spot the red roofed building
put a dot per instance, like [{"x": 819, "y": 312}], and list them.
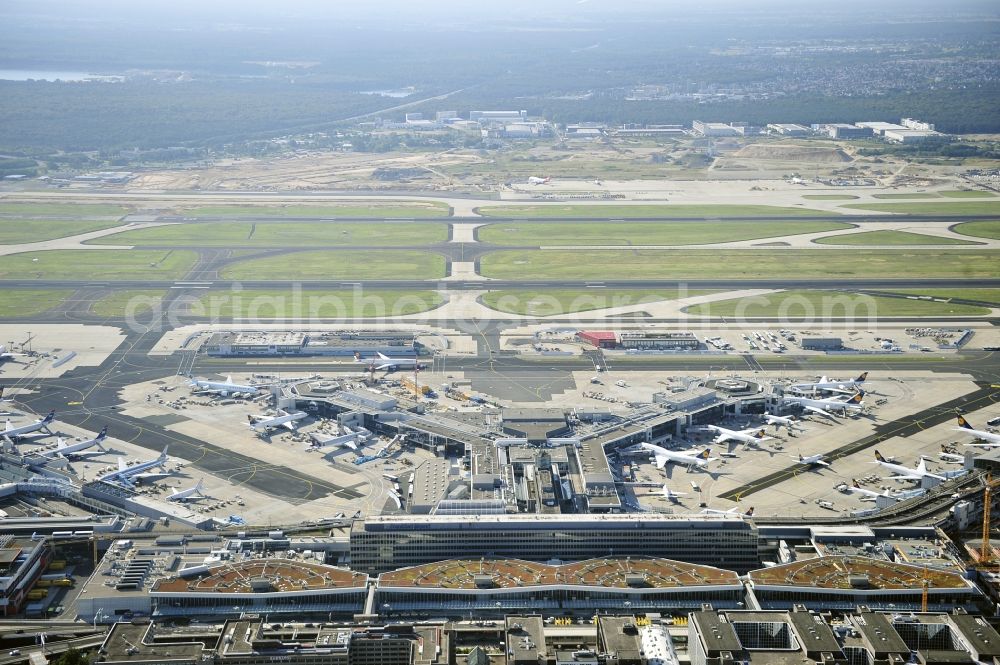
[{"x": 602, "y": 339}]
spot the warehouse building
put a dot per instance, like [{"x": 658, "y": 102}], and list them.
[
  {"x": 665, "y": 341},
  {"x": 330, "y": 343},
  {"x": 602, "y": 339},
  {"x": 822, "y": 343}
]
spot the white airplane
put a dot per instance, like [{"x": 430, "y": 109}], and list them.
[
  {"x": 951, "y": 458},
  {"x": 346, "y": 440},
  {"x": 732, "y": 511},
  {"x": 989, "y": 439},
  {"x": 780, "y": 421},
  {"x": 813, "y": 460},
  {"x": 11, "y": 434},
  {"x": 749, "y": 436},
  {"x": 872, "y": 495},
  {"x": 223, "y": 388},
  {"x": 535, "y": 180},
  {"x": 8, "y": 355},
  {"x": 825, "y": 406},
  {"x": 265, "y": 424},
  {"x": 77, "y": 450},
  {"x": 690, "y": 458},
  {"x": 389, "y": 364},
  {"x": 137, "y": 472},
  {"x": 832, "y": 385},
  {"x": 184, "y": 495},
  {"x": 673, "y": 497},
  {"x": 905, "y": 473}
]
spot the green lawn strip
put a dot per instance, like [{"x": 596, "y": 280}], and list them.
[
  {"x": 967, "y": 194},
  {"x": 118, "y": 304},
  {"x": 890, "y": 238},
  {"x": 981, "y": 295},
  {"x": 281, "y": 234},
  {"x": 550, "y": 302},
  {"x": 914, "y": 195},
  {"x": 299, "y": 303},
  {"x": 61, "y": 210},
  {"x": 14, "y": 231},
  {"x": 830, "y": 304},
  {"x": 739, "y": 264},
  {"x": 375, "y": 209},
  {"x": 942, "y": 208},
  {"x": 645, "y": 233},
  {"x": 625, "y": 211},
  {"x": 112, "y": 264},
  {"x": 353, "y": 265},
  {"x": 989, "y": 228},
  {"x": 829, "y": 197},
  {"x": 17, "y": 303}
]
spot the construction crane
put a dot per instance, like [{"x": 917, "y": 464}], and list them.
[
  {"x": 985, "y": 551},
  {"x": 924, "y": 586}
]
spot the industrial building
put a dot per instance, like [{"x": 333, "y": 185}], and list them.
[
  {"x": 641, "y": 340},
  {"x": 22, "y": 561},
  {"x": 846, "y": 132},
  {"x": 822, "y": 343},
  {"x": 716, "y": 129},
  {"x": 329, "y": 343},
  {"x": 785, "y": 129}
]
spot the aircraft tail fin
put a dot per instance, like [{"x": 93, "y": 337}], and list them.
[
  {"x": 879, "y": 457},
  {"x": 49, "y": 417},
  {"x": 855, "y": 484},
  {"x": 963, "y": 423},
  {"x": 60, "y": 443},
  {"x": 749, "y": 512},
  {"x": 121, "y": 464},
  {"x": 857, "y": 397},
  {"x": 705, "y": 454},
  {"x": 759, "y": 435},
  {"x": 862, "y": 378}
]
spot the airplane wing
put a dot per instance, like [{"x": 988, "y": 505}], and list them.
[
  {"x": 901, "y": 476},
  {"x": 820, "y": 411},
  {"x": 722, "y": 438},
  {"x": 289, "y": 425},
  {"x": 385, "y": 366},
  {"x": 382, "y": 355},
  {"x": 661, "y": 461},
  {"x": 121, "y": 464},
  {"x": 982, "y": 445},
  {"x": 820, "y": 462}
]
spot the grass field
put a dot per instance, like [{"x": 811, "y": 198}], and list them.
[
  {"x": 281, "y": 234},
  {"x": 984, "y": 229},
  {"x": 117, "y": 304},
  {"x": 941, "y": 208},
  {"x": 602, "y": 211},
  {"x": 829, "y": 197},
  {"x": 28, "y": 302},
  {"x": 831, "y": 264},
  {"x": 830, "y": 304},
  {"x": 360, "y": 265},
  {"x": 374, "y": 209},
  {"x": 638, "y": 233},
  {"x": 982, "y": 295},
  {"x": 967, "y": 194},
  {"x": 914, "y": 195},
  {"x": 302, "y": 304},
  {"x": 570, "y": 301},
  {"x": 890, "y": 238},
  {"x": 86, "y": 264},
  {"x": 15, "y": 231},
  {"x": 61, "y": 210}
]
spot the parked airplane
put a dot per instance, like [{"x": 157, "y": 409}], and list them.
[
  {"x": 905, "y": 473},
  {"x": 748, "y": 436},
  {"x": 779, "y": 422},
  {"x": 223, "y": 388},
  {"x": 989, "y": 439},
  {"x": 79, "y": 450},
  {"x": 824, "y": 406},
  {"x": 732, "y": 511},
  {"x": 265, "y": 424},
  {"x": 872, "y": 495},
  {"x": 348, "y": 439},
  {"x": 673, "y": 497},
  {"x": 8, "y": 355},
  {"x": 535, "y": 180},
  {"x": 137, "y": 472},
  {"x": 832, "y": 385},
  {"x": 184, "y": 495},
  {"x": 12, "y": 434},
  {"x": 952, "y": 458},
  {"x": 690, "y": 458},
  {"x": 389, "y": 364},
  {"x": 813, "y": 460}
]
